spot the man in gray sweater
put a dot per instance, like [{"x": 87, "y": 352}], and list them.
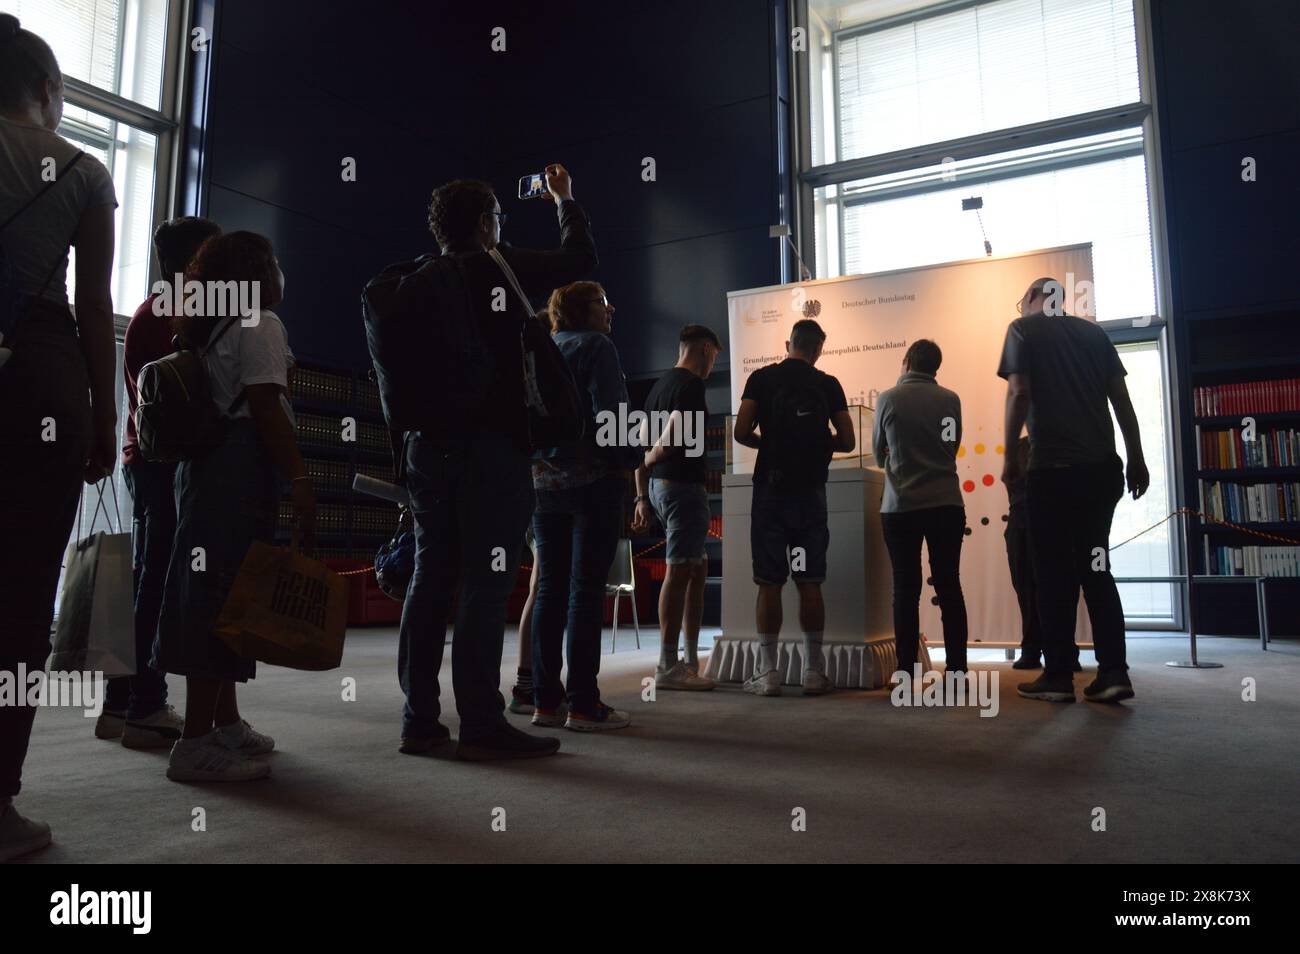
[{"x": 915, "y": 438}]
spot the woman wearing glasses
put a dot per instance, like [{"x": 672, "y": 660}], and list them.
[{"x": 578, "y": 520}]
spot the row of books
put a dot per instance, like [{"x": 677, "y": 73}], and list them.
[
  {"x": 331, "y": 519},
  {"x": 1250, "y": 397},
  {"x": 715, "y": 437},
  {"x": 1252, "y": 561},
  {"x": 329, "y": 474},
  {"x": 374, "y": 521},
  {"x": 328, "y": 431},
  {"x": 322, "y": 385},
  {"x": 713, "y": 481},
  {"x": 1226, "y": 449},
  {"x": 1251, "y": 503}
]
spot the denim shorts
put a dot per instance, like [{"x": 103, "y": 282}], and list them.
[
  {"x": 682, "y": 507},
  {"x": 782, "y": 520}
]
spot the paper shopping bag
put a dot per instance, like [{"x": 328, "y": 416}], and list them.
[
  {"x": 96, "y": 626},
  {"x": 286, "y": 610}
]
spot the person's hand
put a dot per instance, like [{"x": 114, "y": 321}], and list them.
[
  {"x": 1139, "y": 479},
  {"x": 642, "y": 516},
  {"x": 1011, "y": 472},
  {"x": 304, "y": 513},
  {"x": 558, "y": 183},
  {"x": 103, "y": 449}
]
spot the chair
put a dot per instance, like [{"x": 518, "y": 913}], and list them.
[{"x": 622, "y": 579}]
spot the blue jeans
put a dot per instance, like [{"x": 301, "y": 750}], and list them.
[
  {"x": 472, "y": 500},
  {"x": 153, "y": 525},
  {"x": 576, "y": 530}
]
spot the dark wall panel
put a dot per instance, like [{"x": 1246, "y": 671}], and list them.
[{"x": 414, "y": 92}]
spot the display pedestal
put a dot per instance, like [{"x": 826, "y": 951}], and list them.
[
  {"x": 848, "y": 665},
  {"x": 858, "y": 639}
]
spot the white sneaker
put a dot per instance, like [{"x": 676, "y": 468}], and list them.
[
  {"x": 815, "y": 683},
  {"x": 605, "y": 717},
  {"x": 679, "y": 677},
  {"x": 158, "y": 731},
  {"x": 550, "y": 718},
  {"x": 211, "y": 759},
  {"x": 764, "y": 683},
  {"x": 242, "y": 737},
  {"x": 20, "y": 836},
  {"x": 110, "y": 725}
]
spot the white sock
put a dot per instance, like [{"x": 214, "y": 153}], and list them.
[
  {"x": 692, "y": 654},
  {"x": 812, "y": 652},
  {"x": 768, "y": 651},
  {"x": 667, "y": 657}
]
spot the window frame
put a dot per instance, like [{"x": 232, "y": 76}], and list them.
[{"x": 163, "y": 123}]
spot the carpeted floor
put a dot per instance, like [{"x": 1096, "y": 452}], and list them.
[{"x": 1186, "y": 772}]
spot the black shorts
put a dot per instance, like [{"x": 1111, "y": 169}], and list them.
[{"x": 788, "y": 534}]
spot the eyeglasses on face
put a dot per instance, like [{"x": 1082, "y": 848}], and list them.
[{"x": 500, "y": 215}]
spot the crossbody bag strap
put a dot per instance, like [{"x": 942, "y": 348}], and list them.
[
  {"x": 62, "y": 260},
  {"x": 212, "y": 343},
  {"x": 514, "y": 282}
]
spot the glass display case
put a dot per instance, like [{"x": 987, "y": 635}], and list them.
[{"x": 741, "y": 459}]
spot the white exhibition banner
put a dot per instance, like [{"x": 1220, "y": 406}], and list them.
[{"x": 870, "y": 320}]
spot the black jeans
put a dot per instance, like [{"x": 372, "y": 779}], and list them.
[
  {"x": 1070, "y": 511},
  {"x": 942, "y": 529},
  {"x": 472, "y": 501},
  {"x": 576, "y": 531},
  {"x": 44, "y": 429},
  {"x": 1022, "y": 580},
  {"x": 153, "y": 525}
]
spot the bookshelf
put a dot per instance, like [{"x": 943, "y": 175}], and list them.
[
  {"x": 1247, "y": 447},
  {"x": 349, "y": 526}
]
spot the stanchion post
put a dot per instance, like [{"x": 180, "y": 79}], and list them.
[{"x": 1192, "y": 662}]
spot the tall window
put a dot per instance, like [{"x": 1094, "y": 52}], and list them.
[
  {"x": 1035, "y": 106},
  {"x": 1039, "y": 108}
]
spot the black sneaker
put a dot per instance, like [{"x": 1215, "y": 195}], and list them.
[
  {"x": 1027, "y": 661},
  {"x": 1109, "y": 687},
  {"x": 504, "y": 742},
  {"x": 1048, "y": 689},
  {"x": 424, "y": 744}
]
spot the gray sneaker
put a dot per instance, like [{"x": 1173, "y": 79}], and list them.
[
  {"x": 18, "y": 835},
  {"x": 764, "y": 683},
  {"x": 211, "y": 759},
  {"x": 816, "y": 683},
  {"x": 158, "y": 731},
  {"x": 242, "y": 737},
  {"x": 680, "y": 677}
]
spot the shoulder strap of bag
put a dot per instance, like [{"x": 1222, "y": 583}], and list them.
[
  {"x": 212, "y": 343},
  {"x": 58, "y": 177},
  {"x": 514, "y": 282},
  {"x": 64, "y": 258}
]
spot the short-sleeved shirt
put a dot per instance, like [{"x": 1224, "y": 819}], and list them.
[
  {"x": 36, "y": 242},
  {"x": 1069, "y": 362},
  {"x": 246, "y": 355},
  {"x": 762, "y": 387},
  {"x": 681, "y": 390}
]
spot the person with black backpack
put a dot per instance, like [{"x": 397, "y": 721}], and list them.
[
  {"x": 58, "y": 409},
  {"x": 228, "y": 490},
  {"x": 468, "y": 374},
  {"x": 794, "y": 408},
  {"x": 915, "y": 439}
]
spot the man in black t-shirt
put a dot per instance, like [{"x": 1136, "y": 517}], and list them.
[
  {"x": 793, "y": 406},
  {"x": 671, "y": 485},
  {"x": 1061, "y": 371}
]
